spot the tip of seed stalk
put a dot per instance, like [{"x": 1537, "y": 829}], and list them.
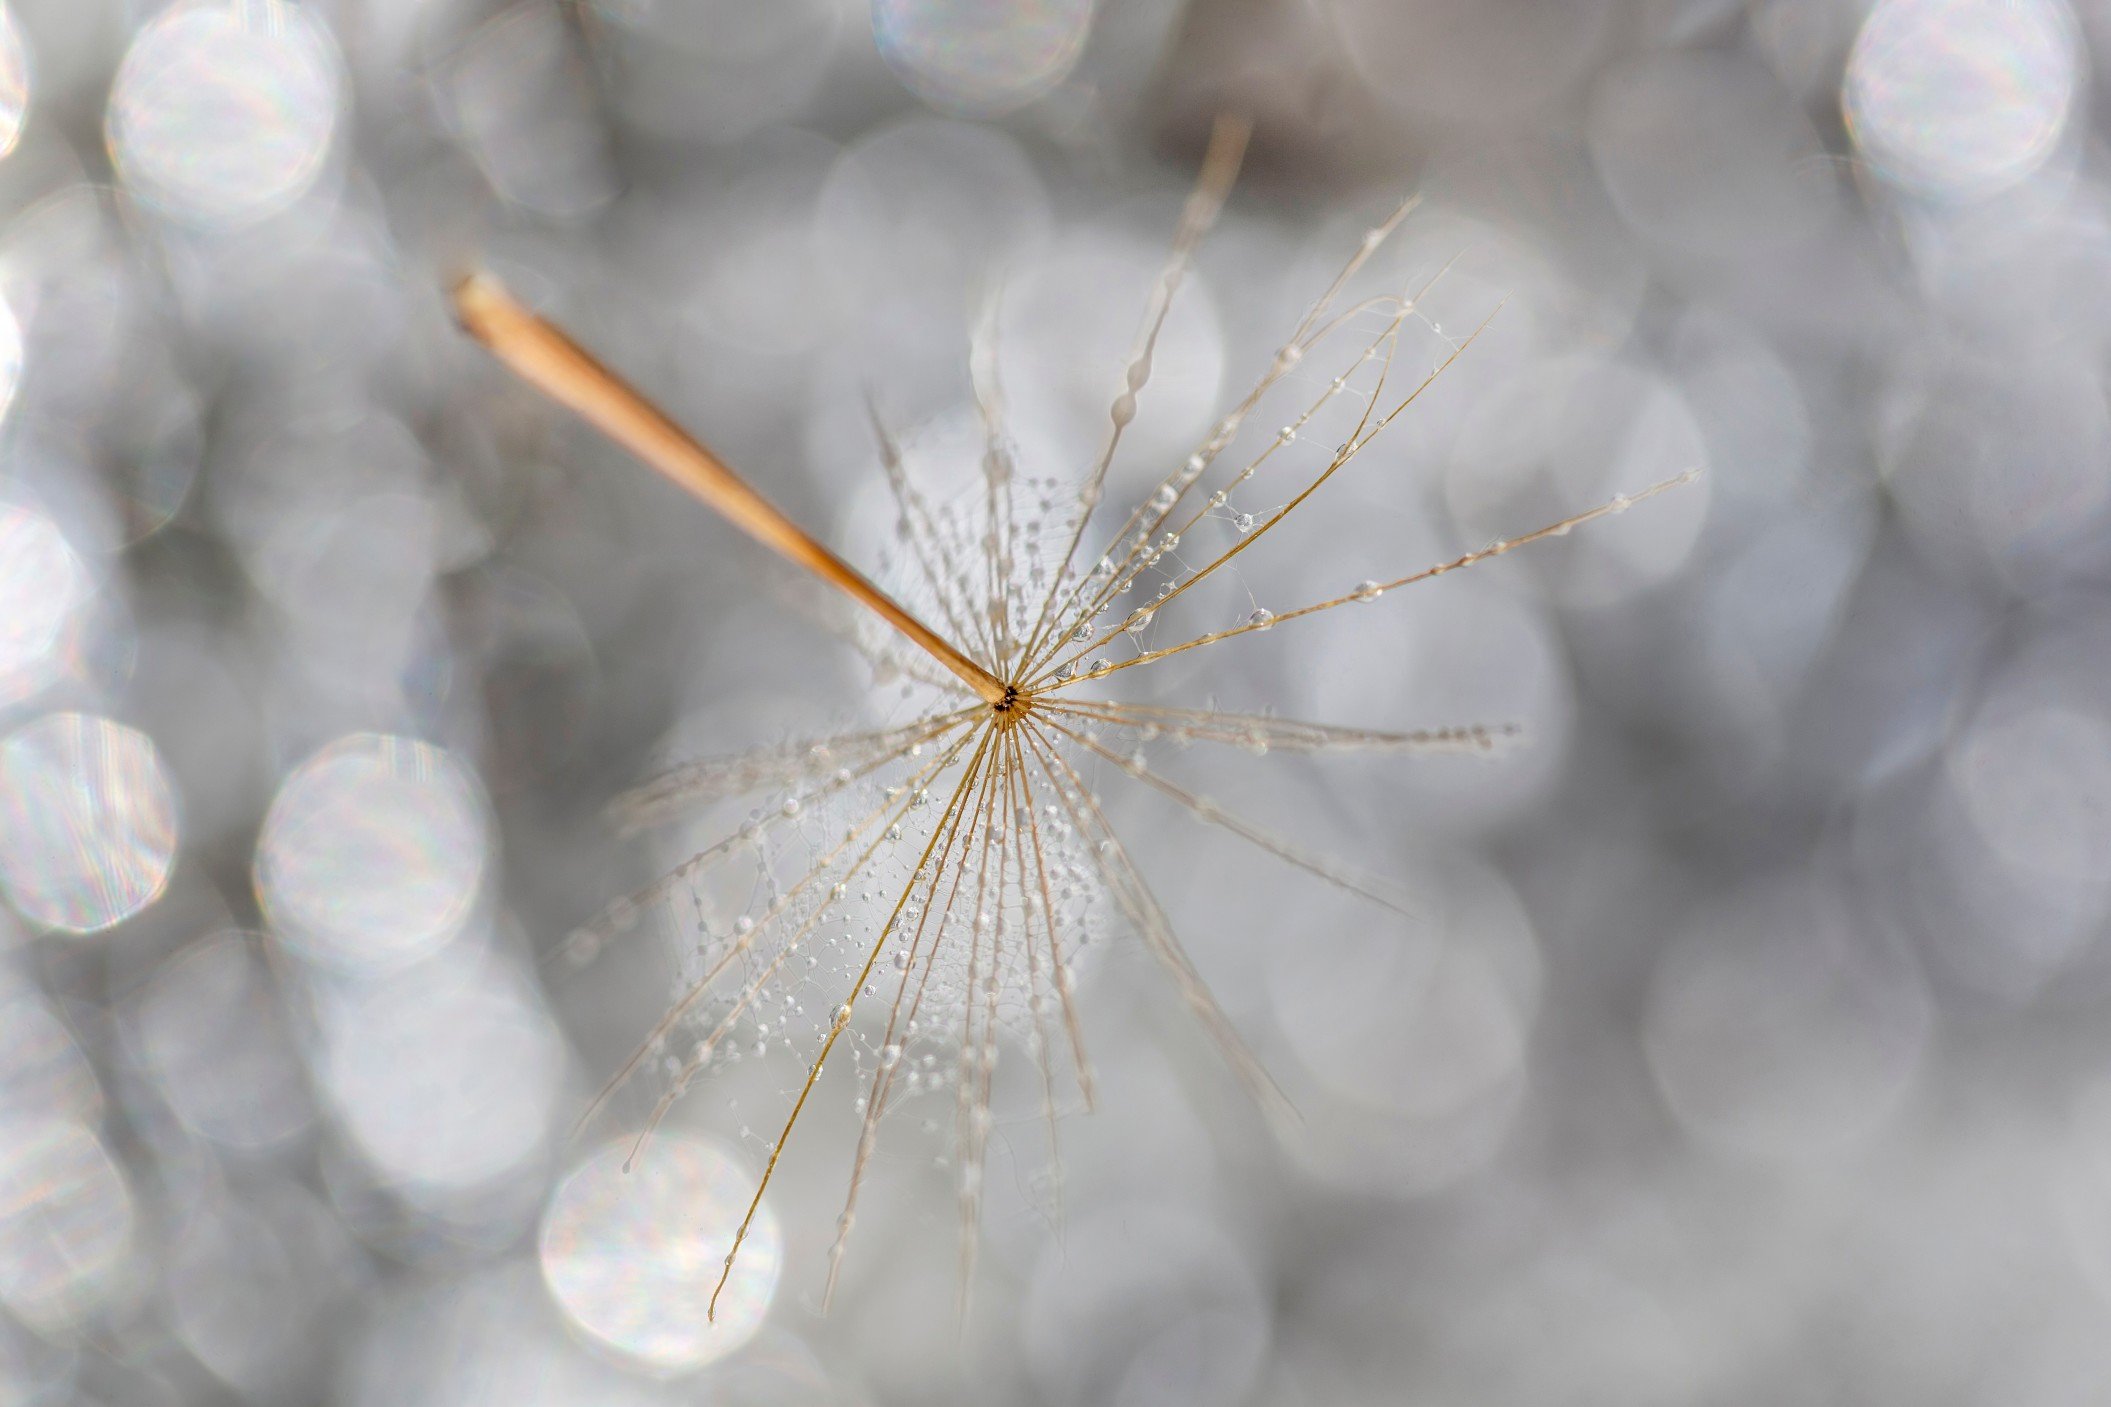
[{"x": 476, "y": 296}]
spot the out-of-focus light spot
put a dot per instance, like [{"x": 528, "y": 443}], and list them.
[
  {"x": 523, "y": 99},
  {"x": 1995, "y": 464},
  {"x": 631, "y": 1258},
  {"x": 210, "y": 1031},
  {"x": 14, "y": 82},
  {"x": 252, "y": 1279},
  {"x": 1962, "y": 97},
  {"x": 87, "y": 822},
  {"x": 10, "y": 356},
  {"x": 1417, "y": 1031},
  {"x": 1575, "y": 434},
  {"x": 34, "y": 1371},
  {"x": 917, "y": 219},
  {"x": 43, "y": 1074},
  {"x": 1472, "y": 61},
  {"x": 446, "y": 1080},
  {"x": 42, "y": 584},
  {"x": 1168, "y": 1304},
  {"x": 2036, "y": 783},
  {"x": 65, "y": 1222},
  {"x": 971, "y": 57},
  {"x": 373, "y": 852},
  {"x": 716, "y": 71},
  {"x": 1068, "y": 323},
  {"x": 1418, "y": 1018},
  {"x": 222, "y": 115},
  {"x": 1482, "y": 655},
  {"x": 1705, "y": 152},
  {"x": 1779, "y": 1027},
  {"x": 491, "y": 1338}
]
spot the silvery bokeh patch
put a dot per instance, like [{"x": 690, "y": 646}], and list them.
[{"x": 1745, "y": 1038}]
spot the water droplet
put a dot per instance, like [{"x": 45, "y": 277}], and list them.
[
  {"x": 1163, "y": 500},
  {"x": 1287, "y": 433},
  {"x": 1137, "y": 620},
  {"x": 1367, "y": 591},
  {"x": 1244, "y": 522},
  {"x": 790, "y": 807},
  {"x": 1261, "y": 618},
  {"x": 744, "y": 925},
  {"x": 920, "y": 797},
  {"x": 843, "y": 1014},
  {"x": 901, "y": 960}
]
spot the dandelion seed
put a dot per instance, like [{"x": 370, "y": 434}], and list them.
[{"x": 982, "y": 925}]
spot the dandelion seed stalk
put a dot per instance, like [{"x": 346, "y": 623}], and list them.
[{"x": 983, "y": 901}]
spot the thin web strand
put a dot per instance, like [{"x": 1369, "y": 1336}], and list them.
[
  {"x": 944, "y": 577},
  {"x": 1220, "y": 167},
  {"x": 891, "y": 1049},
  {"x": 1266, "y": 732},
  {"x": 1140, "y": 558},
  {"x": 841, "y": 1019},
  {"x": 1210, "y": 813},
  {"x": 1288, "y": 355},
  {"x": 1073, "y": 1027},
  {"x": 698, "y": 990},
  {"x": 1348, "y": 453},
  {"x": 1363, "y": 593},
  {"x": 1129, "y": 891}
]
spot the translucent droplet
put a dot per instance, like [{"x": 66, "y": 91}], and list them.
[
  {"x": 1261, "y": 618},
  {"x": 790, "y": 807},
  {"x": 1244, "y": 522},
  {"x": 1367, "y": 591}
]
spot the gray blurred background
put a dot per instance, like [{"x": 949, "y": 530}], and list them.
[{"x": 1748, "y": 1045}]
